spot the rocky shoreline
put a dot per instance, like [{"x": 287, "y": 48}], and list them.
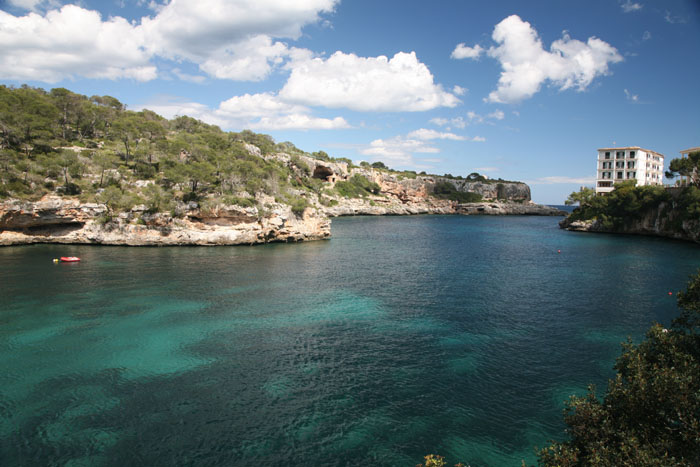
[
  {"x": 60, "y": 220},
  {"x": 56, "y": 219},
  {"x": 653, "y": 224}
]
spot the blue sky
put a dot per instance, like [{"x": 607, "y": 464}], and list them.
[{"x": 511, "y": 89}]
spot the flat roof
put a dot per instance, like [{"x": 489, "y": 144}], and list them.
[
  {"x": 687, "y": 151},
  {"x": 637, "y": 148}
]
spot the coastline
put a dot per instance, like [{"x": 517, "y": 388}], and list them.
[{"x": 61, "y": 220}]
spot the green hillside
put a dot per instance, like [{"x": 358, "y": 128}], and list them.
[{"x": 93, "y": 148}]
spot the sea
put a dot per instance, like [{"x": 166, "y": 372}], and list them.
[{"x": 461, "y": 336}]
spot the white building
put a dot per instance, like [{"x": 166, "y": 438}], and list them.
[{"x": 630, "y": 163}]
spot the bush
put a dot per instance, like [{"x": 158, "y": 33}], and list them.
[
  {"x": 446, "y": 190},
  {"x": 298, "y": 205},
  {"x": 301, "y": 165},
  {"x": 357, "y": 187},
  {"x": 650, "y": 413},
  {"x": 238, "y": 201},
  {"x": 626, "y": 203},
  {"x": 70, "y": 189}
]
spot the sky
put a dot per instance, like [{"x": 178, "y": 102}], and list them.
[{"x": 518, "y": 90}]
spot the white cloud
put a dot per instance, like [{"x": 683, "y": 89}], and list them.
[
  {"x": 250, "y": 106},
  {"x": 562, "y": 180},
  {"x": 631, "y": 97},
  {"x": 459, "y": 90},
  {"x": 71, "y": 42},
  {"x": 462, "y": 51},
  {"x": 299, "y": 122},
  {"x": 526, "y": 65},
  {"x": 646, "y": 36},
  {"x": 457, "y": 122},
  {"x": 478, "y": 139},
  {"x": 398, "y": 150},
  {"x": 199, "y": 79},
  {"x": 194, "y": 28},
  {"x": 231, "y": 39},
  {"x": 425, "y": 134},
  {"x": 628, "y": 6},
  {"x": 250, "y": 60},
  {"x": 496, "y": 115},
  {"x": 228, "y": 39},
  {"x": 476, "y": 118},
  {"x": 401, "y": 83},
  {"x": 263, "y": 111},
  {"x": 170, "y": 109},
  {"x": 33, "y": 5},
  {"x": 486, "y": 169},
  {"x": 674, "y": 19}
]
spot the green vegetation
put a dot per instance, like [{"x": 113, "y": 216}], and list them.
[
  {"x": 626, "y": 203},
  {"x": 63, "y": 143},
  {"x": 580, "y": 197},
  {"x": 650, "y": 413},
  {"x": 686, "y": 167},
  {"x": 357, "y": 187},
  {"x": 446, "y": 190}
]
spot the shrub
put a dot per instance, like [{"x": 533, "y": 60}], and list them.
[
  {"x": 650, "y": 413},
  {"x": 298, "y": 205},
  {"x": 239, "y": 201},
  {"x": 446, "y": 190},
  {"x": 357, "y": 187},
  {"x": 301, "y": 165},
  {"x": 70, "y": 189}
]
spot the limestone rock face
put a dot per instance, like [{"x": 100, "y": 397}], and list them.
[
  {"x": 55, "y": 219},
  {"x": 508, "y": 208},
  {"x": 661, "y": 221},
  {"x": 60, "y": 220},
  {"x": 48, "y": 211}
]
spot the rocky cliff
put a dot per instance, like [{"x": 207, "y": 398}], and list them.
[
  {"x": 663, "y": 220},
  {"x": 56, "y": 219},
  {"x": 66, "y": 220}
]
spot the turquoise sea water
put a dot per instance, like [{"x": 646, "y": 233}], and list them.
[{"x": 401, "y": 336}]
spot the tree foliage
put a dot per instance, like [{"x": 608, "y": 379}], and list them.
[
  {"x": 624, "y": 204},
  {"x": 446, "y": 190},
  {"x": 686, "y": 167},
  {"x": 650, "y": 413},
  {"x": 584, "y": 196}
]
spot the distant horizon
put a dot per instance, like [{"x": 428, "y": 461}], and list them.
[{"x": 516, "y": 91}]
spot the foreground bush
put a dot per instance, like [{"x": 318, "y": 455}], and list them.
[{"x": 650, "y": 413}]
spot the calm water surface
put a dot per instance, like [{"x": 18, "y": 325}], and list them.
[{"x": 399, "y": 337}]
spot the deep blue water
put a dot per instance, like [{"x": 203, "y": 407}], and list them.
[{"x": 401, "y": 336}]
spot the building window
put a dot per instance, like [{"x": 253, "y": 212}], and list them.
[
  {"x": 630, "y": 164},
  {"x": 607, "y": 155},
  {"x": 631, "y": 154},
  {"x": 619, "y": 175},
  {"x": 620, "y": 155}
]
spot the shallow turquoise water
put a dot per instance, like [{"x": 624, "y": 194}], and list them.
[{"x": 401, "y": 336}]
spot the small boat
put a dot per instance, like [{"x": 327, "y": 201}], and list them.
[{"x": 70, "y": 259}]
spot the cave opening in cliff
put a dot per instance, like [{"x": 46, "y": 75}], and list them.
[{"x": 322, "y": 172}]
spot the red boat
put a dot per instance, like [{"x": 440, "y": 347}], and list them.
[{"x": 70, "y": 259}]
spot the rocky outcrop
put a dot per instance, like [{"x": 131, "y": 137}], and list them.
[
  {"x": 64, "y": 220},
  {"x": 508, "y": 208},
  {"x": 661, "y": 221},
  {"x": 56, "y": 219}
]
